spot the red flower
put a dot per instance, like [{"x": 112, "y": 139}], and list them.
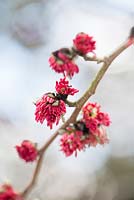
[
  {"x": 71, "y": 142},
  {"x": 91, "y": 140},
  {"x": 97, "y": 137},
  {"x": 62, "y": 63},
  {"x": 101, "y": 135},
  {"x": 49, "y": 109},
  {"x": 84, "y": 43},
  {"x": 92, "y": 124},
  {"x": 8, "y": 193},
  {"x": 93, "y": 117},
  {"x": 90, "y": 111},
  {"x": 27, "y": 151},
  {"x": 79, "y": 137},
  {"x": 62, "y": 87},
  {"x": 103, "y": 118}
]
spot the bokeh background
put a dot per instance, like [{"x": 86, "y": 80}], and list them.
[{"x": 29, "y": 31}]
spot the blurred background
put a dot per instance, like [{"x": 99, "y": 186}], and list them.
[{"x": 29, "y": 31}]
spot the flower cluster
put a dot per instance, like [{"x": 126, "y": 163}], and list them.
[
  {"x": 8, "y": 193},
  {"x": 27, "y": 151},
  {"x": 61, "y": 61},
  {"x": 89, "y": 131},
  {"x": 83, "y": 43},
  {"x": 51, "y": 107}
]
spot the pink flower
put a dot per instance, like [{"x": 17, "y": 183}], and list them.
[
  {"x": 94, "y": 119},
  {"x": 83, "y": 43},
  {"x": 90, "y": 111},
  {"x": 49, "y": 109},
  {"x": 63, "y": 63},
  {"x": 71, "y": 143},
  {"x": 27, "y": 151},
  {"x": 63, "y": 87},
  {"x": 92, "y": 124},
  {"x": 8, "y": 193},
  {"x": 103, "y": 118},
  {"x": 91, "y": 140},
  {"x": 101, "y": 136},
  {"x": 78, "y": 137},
  {"x": 97, "y": 137}
]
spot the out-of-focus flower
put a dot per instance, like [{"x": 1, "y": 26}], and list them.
[
  {"x": 92, "y": 124},
  {"x": 7, "y": 193},
  {"x": 98, "y": 137},
  {"x": 95, "y": 120},
  {"x": 62, "y": 87},
  {"x": 71, "y": 142},
  {"x": 77, "y": 140},
  {"x": 83, "y": 43},
  {"x": 27, "y": 151},
  {"x": 103, "y": 118},
  {"x": 49, "y": 109},
  {"x": 89, "y": 131},
  {"x": 62, "y": 62},
  {"x": 101, "y": 135}
]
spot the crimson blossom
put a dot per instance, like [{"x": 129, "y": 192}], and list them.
[
  {"x": 62, "y": 87},
  {"x": 49, "y": 108},
  {"x": 83, "y": 43},
  {"x": 62, "y": 62},
  {"x": 71, "y": 142},
  {"x": 8, "y": 193},
  {"x": 89, "y": 131},
  {"x": 93, "y": 117},
  {"x": 78, "y": 140},
  {"x": 27, "y": 151}
]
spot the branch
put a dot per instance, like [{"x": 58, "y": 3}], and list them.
[
  {"x": 94, "y": 58},
  {"x": 79, "y": 104},
  {"x": 70, "y": 104}
]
